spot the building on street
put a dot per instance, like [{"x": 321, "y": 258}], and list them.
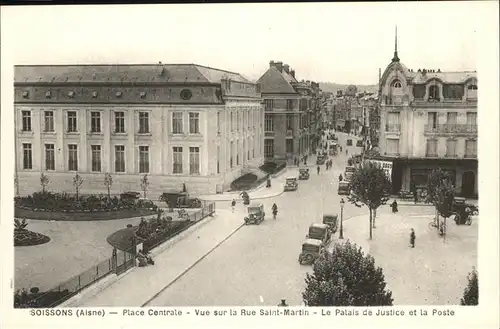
[
  {"x": 428, "y": 119},
  {"x": 178, "y": 123},
  {"x": 288, "y": 112}
]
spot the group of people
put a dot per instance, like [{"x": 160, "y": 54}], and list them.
[{"x": 144, "y": 258}]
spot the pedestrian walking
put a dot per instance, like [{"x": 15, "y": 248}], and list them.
[
  {"x": 346, "y": 151},
  {"x": 318, "y": 169},
  {"x": 412, "y": 238},
  {"x": 233, "y": 204}
]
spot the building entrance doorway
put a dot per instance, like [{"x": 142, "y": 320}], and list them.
[{"x": 468, "y": 182}]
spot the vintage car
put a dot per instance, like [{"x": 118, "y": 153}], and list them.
[
  {"x": 303, "y": 173},
  {"x": 463, "y": 211},
  {"x": 319, "y": 232},
  {"x": 256, "y": 214},
  {"x": 332, "y": 221},
  {"x": 344, "y": 188},
  {"x": 311, "y": 249},
  {"x": 349, "y": 171},
  {"x": 349, "y": 142},
  {"x": 332, "y": 149},
  {"x": 320, "y": 159},
  {"x": 291, "y": 184}
]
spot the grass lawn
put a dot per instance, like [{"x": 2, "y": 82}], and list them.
[
  {"x": 63, "y": 216},
  {"x": 434, "y": 272}
]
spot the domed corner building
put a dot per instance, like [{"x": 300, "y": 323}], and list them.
[{"x": 428, "y": 119}]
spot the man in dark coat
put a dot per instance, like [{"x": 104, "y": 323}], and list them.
[{"x": 412, "y": 238}]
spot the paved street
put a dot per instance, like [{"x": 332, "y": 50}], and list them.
[{"x": 259, "y": 264}]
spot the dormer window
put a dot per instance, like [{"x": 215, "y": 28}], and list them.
[
  {"x": 94, "y": 94},
  {"x": 26, "y": 94},
  {"x": 118, "y": 94},
  {"x": 143, "y": 94},
  {"x": 396, "y": 84},
  {"x": 48, "y": 94},
  {"x": 433, "y": 93},
  {"x": 71, "y": 94}
]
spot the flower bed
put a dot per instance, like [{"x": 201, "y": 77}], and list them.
[
  {"x": 62, "y": 202},
  {"x": 23, "y": 299},
  {"x": 24, "y": 238},
  {"x": 244, "y": 182}
]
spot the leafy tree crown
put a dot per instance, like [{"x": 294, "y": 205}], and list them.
[
  {"x": 441, "y": 192},
  {"x": 369, "y": 186},
  {"x": 471, "y": 292}
]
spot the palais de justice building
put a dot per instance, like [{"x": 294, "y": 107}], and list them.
[
  {"x": 178, "y": 123},
  {"x": 428, "y": 119}
]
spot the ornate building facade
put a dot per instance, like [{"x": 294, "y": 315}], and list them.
[
  {"x": 178, "y": 123},
  {"x": 428, "y": 119}
]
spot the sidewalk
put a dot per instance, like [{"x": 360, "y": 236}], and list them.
[
  {"x": 261, "y": 192},
  {"x": 402, "y": 202},
  {"x": 141, "y": 284}
]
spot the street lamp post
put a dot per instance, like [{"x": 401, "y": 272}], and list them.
[{"x": 342, "y": 202}]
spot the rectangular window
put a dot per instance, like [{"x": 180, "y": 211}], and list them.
[
  {"x": 237, "y": 153},
  {"x": 49, "y": 121},
  {"x": 119, "y": 158},
  {"x": 26, "y": 120},
  {"x": 27, "y": 156},
  {"x": 50, "y": 159},
  {"x": 431, "y": 150},
  {"x": 451, "y": 146},
  {"x": 289, "y": 122},
  {"x": 392, "y": 122},
  {"x": 432, "y": 120},
  {"x": 194, "y": 160},
  {"x": 72, "y": 122},
  {"x": 96, "y": 158},
  {"x": 143, "y": 122},
  {"x": 218, "y": 123},
  {"x": 471, "y": 119},
  {"x": 269, "y": 125},
  {"x": 231, "y": 155},
  {"x": 289, "y": 146},
  {"x": 451, "y": 118},
  {"x": 177, "y": 160},
  {"x": 232, "y": 121},
  {"x": 470, "y": 148},
  {"x": 194, "y": 123},
  {"x": 392, "y": 146},
  {"x": 73, "y": 157},
  {"x": 143, "y": 159},
  {"x": 177, "y": 123},
  {"x": 120, "y": 122},
  {"x": 269, "y": 104},
  {"x": 218, "y": 159},
  {"x": 238, "y": 121},
  {"x": 289, "y": 104},
  {"x": 268, "y": 148},
  {"x": 95, "y": 122}
]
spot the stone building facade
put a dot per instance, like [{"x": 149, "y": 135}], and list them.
[{"x": 177, "y": 123}]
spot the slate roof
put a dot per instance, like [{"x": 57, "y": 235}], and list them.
[
  {"x": 174, "y": 73},
  {"x": 275, "y": 82},
  {"x": 446, "y": 77}
]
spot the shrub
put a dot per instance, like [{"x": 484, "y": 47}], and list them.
[
  {"x": 22, "y": 299},
  {"x": 269, "y": 167},
  {"x": 244, "y": 182},
  {"x": 471, "y": 292},
  {"x": 346, "y": 277}
]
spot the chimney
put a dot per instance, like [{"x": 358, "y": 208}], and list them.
[
  {"x": 279, "y": 66},
  {"x": 292, "y": 73},
  {"x": 286, "y": 67}
]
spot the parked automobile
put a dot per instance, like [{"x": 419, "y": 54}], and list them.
[
  {"x": 256, "y": 214},
  {"x": 344, "y": 188},
  {"x": 311, "y": 249},
  {"x": 349, "y": 171},
  {"x": 319, "y": 232},
  {"x": 129, "y": 195},
  {"x": 291, "y": 184},
  {"x": 320, "y": 159},
  {"x": 332, "y": 221},
  {"x": 303, "y": 173}
]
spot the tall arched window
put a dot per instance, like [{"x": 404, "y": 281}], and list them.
[{"x": 433, "y": 92}]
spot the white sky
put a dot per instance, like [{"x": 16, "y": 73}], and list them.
[{"x": 343, "y": 43}]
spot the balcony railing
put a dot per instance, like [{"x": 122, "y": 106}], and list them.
[
  {"x": 451, "y": 129},
  {"x": 470, "y": 155},
  {"x": 392, "y": 127},
  {"x": 269, "y": 133}
]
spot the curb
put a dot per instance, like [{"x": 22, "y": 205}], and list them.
[{"x": 192, "y": 265}]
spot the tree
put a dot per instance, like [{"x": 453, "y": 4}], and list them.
[
  {"x": 144, "y": 184},
  {"x": 471, "y": 292},
  {"x": 441, "y": 193},
  {"x": 16, "y": 183},
  {"x": 108, "y": 182},
  {"x": 369, "y": 186},
  {"x": 20, "y": 225},
  {"x": 44, "y": 181},
  {"x": 77, "y": 183},
  {"x": 346, "y": 277}
]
